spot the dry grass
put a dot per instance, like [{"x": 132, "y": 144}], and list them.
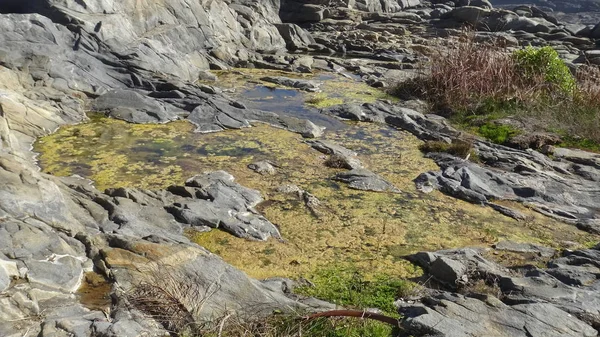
[
  {"x": 458, "y": 148},
  {"x": 172, "y": 298},
  {"x": 460, "y": 78},
  {"x": 298, "y": 326},
  {"x": 483, "y": 288},
  {"x": 471, "y": 78},
  {"x": 336, "y": 161}
]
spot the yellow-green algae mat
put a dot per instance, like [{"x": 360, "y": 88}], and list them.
[{"x": 368, "y": 229}]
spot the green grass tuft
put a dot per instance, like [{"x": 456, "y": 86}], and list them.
[
  {"x": 497, "y": 133},
  {"x": 347, "y": 286}
]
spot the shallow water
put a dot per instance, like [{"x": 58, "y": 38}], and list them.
[
  {"x": 335, "y": 89},
  {"x": 368, "y": 229}
]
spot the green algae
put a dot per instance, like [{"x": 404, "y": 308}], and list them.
[{"x": 371, "y": 231}]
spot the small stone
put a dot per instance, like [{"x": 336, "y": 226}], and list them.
[{"x": 263, "y": 167}]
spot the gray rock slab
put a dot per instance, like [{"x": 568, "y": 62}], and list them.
[
  {"x": 525, "y": 248},
  {"x": 347, "y": 158},
  {"x": 134, "y": 107},
  {"x": 454, "y": 315},
  {"x": 363, "y": 179},
  {"x": 559, "y": 299},
  {"x": 62, "y": 273}
]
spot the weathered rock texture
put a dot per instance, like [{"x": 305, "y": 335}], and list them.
[
  {"x": 564, "y": 188},
  {"x": 559, "y": 300},
  {"x": 135, "y": 61},
  {"x": 139, "y": 60}
]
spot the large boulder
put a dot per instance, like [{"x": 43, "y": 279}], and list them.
[{"x": 295, "y": 37}]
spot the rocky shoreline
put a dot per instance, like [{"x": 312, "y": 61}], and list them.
[{"x": 141, "y": 62}]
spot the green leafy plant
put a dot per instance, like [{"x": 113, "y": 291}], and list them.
[{"x": 534, "y": 63}]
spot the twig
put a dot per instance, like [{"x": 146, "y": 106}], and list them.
[{"x": 222, "y": 325}]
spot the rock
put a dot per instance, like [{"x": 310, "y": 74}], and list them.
[
  {"x": 567, "y": 198},
  {"x": 590, "y": 226},
  {"x": 131, "y": 106},
  {"x": 469, "y": 14},
  {"x": 595, "y": 32},
  {"x": 221, "y": 114},
  {"x": 455, "y": 315},
  {"x": 525, "y": 248},
  {"x": 224, "y": 204},
  {"x": 299, "y": 12},
  {"x": 310, "y": 201},
  {"x": 424, "y": 127},
  {"x": 177, "y": 51},
  {"x": 560, "y": 300},
  {"x": 263, "y": 167},
  {"x": 306, "y": 85},
  {"x": 573, "y": 275},
  {"x": 534, "y": 140},
  {"x": 5, "y": 279},
  {"x": 578, "y": 156},
  {"x": 340, "y": 157},
  {"x": 363, "y": 179},
  {"x": 587, "y": 172},
  {"x": 294, "y": 36},
  {"x": 388, "y": 6},
  {"x": 448, "y": 271},
  {"x": 177, "y": 265},
  {"x": 509, "y": 212},
  {"x": 496, "y": 20},
  {"x": 477, "y": 3},
  {"x": 471, "y": 258},
  {"x": 62, "y": 273}
]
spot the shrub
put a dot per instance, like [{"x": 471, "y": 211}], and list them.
[
  {"x": 541, "y": 66},
  {"x": 531, "y": 84}
]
